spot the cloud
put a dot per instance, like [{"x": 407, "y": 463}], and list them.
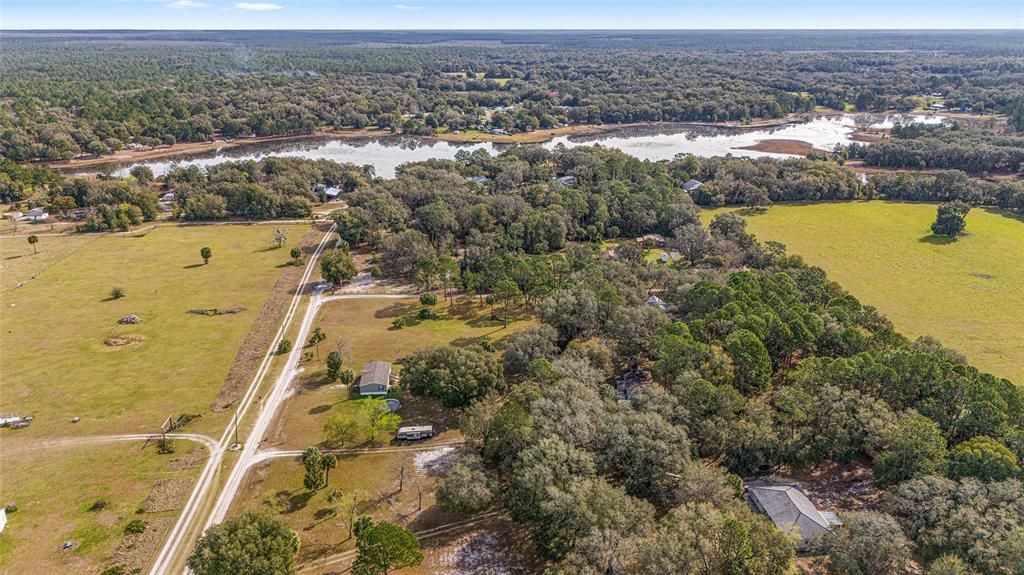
[
  {"x": 257, "y": 6},
  {"x": 407, "y": 7},
  {"x": 187, "y": 4}
]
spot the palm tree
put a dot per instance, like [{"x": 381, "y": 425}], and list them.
[
  {"x": 33, "y": 240},
  {"x": 328, "y": 462}
]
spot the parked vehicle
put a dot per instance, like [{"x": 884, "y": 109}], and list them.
[{"x": 415, "y": 432}]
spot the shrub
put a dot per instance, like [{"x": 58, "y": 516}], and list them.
[
  {"x": 98, "y": 505},
  {"x": 116, "y": 293},
  {"x": 136, "y": 526},
  {"x": 427, "y": 313},
  {"x": 284, "y": 346},
  {"x": 398, "y": 323},
  {"x": 428, "y": 299}
]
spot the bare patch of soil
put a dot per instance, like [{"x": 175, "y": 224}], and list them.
[
  {"x": 191, "y": 460},
  {"x": 124, "y": 339},
  {"x": 839, "y": 487},
  {"x": 259, "y": 339},
  {"x": 167, "y": 495},
  {"x": 137, "y": 549},
  {"x": 781, "y": 146}
]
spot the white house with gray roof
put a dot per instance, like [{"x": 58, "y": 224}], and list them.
[{"x": 375, "y": 379}]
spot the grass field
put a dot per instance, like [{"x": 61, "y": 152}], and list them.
[
  {"x": 121, "y": 474},
  {"x": 362, "y": 329},
  {"x": 372, "y": 479},
  {"x": 967, "y": 294},
  {"x": 56, "y": 364},
  {"x": 19, "y": 264}
]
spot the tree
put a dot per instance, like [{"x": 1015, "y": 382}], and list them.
[
  {"x": 948, "y": 565},
  {"x": 379, "y": 418},
  {"x": 315, "y": 478},
  {"x": 206, "y": 253},
  {"x": 751, "y": 361},
  {"x": 466, "y": 488},
  {"x": 32, "y": 241},
  {"x": 142, "y": 174},
  {"x": 983, "y": 457},
  {"x": 951, "y": 219},
  {"x": 868, "y": 543},
  {"x": 340, "y": 430},
  {"x": 334, "y": 362},
  {"x": 455, "y": 375},
  {"x": 506, "y": 291},
  {"x": 316, "y": 338},
  {"x": 253, "y": 543},
  {"x": 914, "y": 446},
  {"x": 280, "y": 238},
  {"x": 329, "y": 462},
  {"x": 382, "y": 547},
  {"x": 284, "y": 346},
  {"x": 520, "y": 348},
  {"x": 336, "y": 266},
  {"x": 296, "y": 254},
  {"x": 428, "y": 299}
]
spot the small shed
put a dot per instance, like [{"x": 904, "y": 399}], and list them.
[
  {"x": 691, "y": 185},
  {"x": 790, "y": 510},
  {"x": 478, "y": 180},
  {"x": 375, "y": 379},
  {"x": 332, "y": 193},
  {"x": 567, "y": 180},
  {"x": 415, "y": 432},
  {"x": 168, "y": 197}
]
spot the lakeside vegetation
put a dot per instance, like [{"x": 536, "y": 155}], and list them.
[{"x": 64, "y": 96}]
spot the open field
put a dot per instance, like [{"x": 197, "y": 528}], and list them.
[
  {"x": 362, "y": 327},
  {"x": 56, "y": 359},
  {"x": 966, "y": 293},
  {"x": 121, "y": 474},
  {"x": 19, "y": 263}
]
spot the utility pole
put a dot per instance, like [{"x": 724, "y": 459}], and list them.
[
  {"x": 401, "y": 476},
  {"x": 236, "y": 426}
]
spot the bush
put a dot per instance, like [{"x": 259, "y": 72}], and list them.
[
  {"x": 427, "y": 313},
  {"x": 136, "y": 526},
  {"x": 98, "y": 505},
  {"x": 116, "y": 293},
  {"x": 428, "y": 299},
  {"x": 398, "y": 323},
  {"x": 284, "y": 346}
]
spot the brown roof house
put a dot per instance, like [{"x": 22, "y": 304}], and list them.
[{"x": 376, "y": 378}]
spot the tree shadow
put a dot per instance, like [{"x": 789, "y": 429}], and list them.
[
  {"x": 191, "y": 266},
  {"x": 320, "y": 409},
  {"x": 13, "y": 257},
  {"x": 937, "y": 240},
  {"x": 395, "y": 310},
  {"x": 294, "y": 500},
  {"x": 267, "y": 249}
]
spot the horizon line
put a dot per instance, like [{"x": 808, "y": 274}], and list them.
[{"x": 555, "y": 30}]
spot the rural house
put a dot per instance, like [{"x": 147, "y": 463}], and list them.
[
  {"x": 651, "y": 240},
  {"x": 790, "y": 510},
  {"x": 655, "y": 301},
  {"x": 691, "y": 185},
  {"x": 37, "y": 214},
  {"x": 376, "y": 378},
  {"x": 478, "y": 180}
]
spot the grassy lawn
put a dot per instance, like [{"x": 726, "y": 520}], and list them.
[
  {"x": 19, "y": 264},
  {"x": 56, "y": 363},
  {"x": 966, "y": 293},
  {"x": 372, "y": 479},
  {"x": 121, "y": 474},
  {"x": 362, "y": 328}
]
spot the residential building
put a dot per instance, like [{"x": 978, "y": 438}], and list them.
[{"x": 375, "y": 379}]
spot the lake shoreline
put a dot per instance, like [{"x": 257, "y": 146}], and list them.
[{"x": 191, "y": 149}]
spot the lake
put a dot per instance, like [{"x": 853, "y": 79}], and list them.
[{"x": 654, "y": 142}]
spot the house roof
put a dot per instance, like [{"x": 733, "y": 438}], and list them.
[
  {"x": 332, "y": 192},
  {"x": 692, "y": 185},
  {"x": 789, "y": 509},
  {"x": 36, "y": 212},
  {"x": 376, "y": 373},
  {"x": 655, "y": 301},
  {"x": 478, "y": 179}
]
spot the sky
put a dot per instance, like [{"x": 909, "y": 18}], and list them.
[{"x": 510, "y": 14}]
